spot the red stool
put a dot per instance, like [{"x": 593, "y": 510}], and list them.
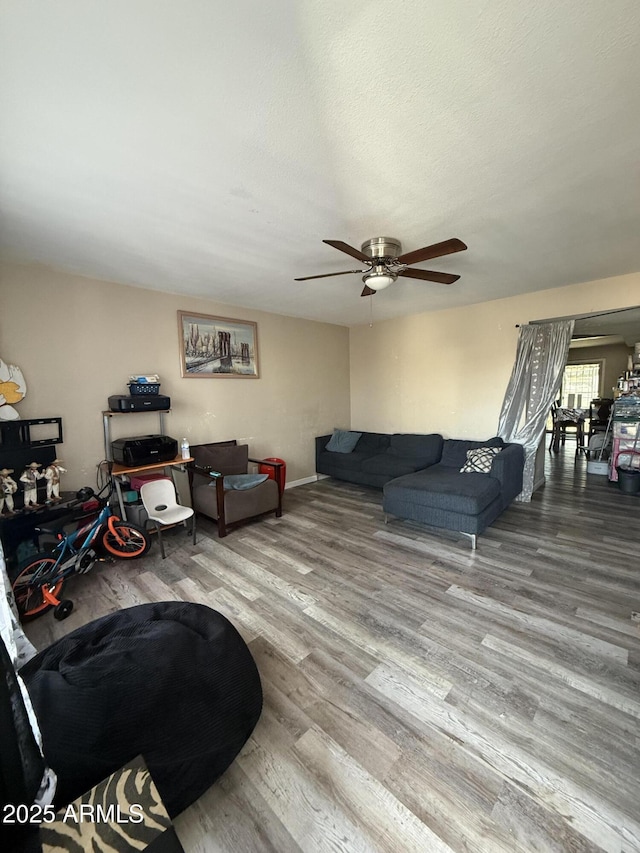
[{"x": 277, "y": 474}]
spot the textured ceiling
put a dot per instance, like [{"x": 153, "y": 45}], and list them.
[{"x": 208, "y": 148}]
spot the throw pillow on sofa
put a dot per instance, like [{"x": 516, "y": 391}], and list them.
[
  {"x": 454, "y": 450},
  {"x": 343, "y": 441},
  {"x": 480, "y": 460}
]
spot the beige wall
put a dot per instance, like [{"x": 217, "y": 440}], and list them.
[
  {"x": 614, "y": 356},
  {"x": 447, "y": 371},
  {"x": 77, "y": 340}
]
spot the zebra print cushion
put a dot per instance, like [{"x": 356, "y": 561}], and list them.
[{"x": 122, "y": 813}]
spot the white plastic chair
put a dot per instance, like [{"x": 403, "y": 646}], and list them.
[{"x": 159, "y": 500}]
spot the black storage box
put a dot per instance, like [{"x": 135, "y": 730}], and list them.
[
  {"x": 139, "y": 403},
  {"x": 144, "y": 450}
]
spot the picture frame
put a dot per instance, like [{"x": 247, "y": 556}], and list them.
[{"x": 217, "y": 347}]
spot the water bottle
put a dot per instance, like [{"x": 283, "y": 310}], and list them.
[{"x": 184, "y": 448}]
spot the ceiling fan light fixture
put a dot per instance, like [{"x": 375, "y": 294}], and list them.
[
  {"x": 379, "y": 278},
  {"x": 384, "y": 262}
]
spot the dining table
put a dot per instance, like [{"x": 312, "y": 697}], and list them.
[{"x": 573, "y": 417}]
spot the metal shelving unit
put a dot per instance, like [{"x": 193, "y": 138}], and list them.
[
  {"x": 106, "y": 425},
  {"x": 626, "y": 431}
]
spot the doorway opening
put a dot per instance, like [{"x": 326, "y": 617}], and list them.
[{"x": 605, "y": 339}]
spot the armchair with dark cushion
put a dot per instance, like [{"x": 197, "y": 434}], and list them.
[{"x": 211, "y": 496}]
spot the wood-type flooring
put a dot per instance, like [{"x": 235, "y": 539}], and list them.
[{"x": 419, "y": 696}]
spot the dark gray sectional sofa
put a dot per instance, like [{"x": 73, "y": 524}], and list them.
[
  {"x": 378, "y": 457},
  {"x": 421, "y": 478}
]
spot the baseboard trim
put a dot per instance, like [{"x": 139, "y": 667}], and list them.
[{"x": 293, "y": 483}]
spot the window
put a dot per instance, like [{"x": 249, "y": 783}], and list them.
[{"x": 580, "y": 384}]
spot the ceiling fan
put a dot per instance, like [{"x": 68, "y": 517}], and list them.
[{"x": 384, "y": 263}]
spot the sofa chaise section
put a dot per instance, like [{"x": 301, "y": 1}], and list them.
[{"x": 444, "y": 497}]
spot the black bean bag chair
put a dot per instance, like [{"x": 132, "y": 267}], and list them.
[{"x": 171, "y": 681}]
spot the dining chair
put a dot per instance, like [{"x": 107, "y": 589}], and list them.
[
  {"x": 159, "y": 500},
  {"x": 599, "y": 412},
  {"x": 562, "y": 427}
]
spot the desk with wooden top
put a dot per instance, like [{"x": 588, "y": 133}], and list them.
[{"x": 119, "y": 471}]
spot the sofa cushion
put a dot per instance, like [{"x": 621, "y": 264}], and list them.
[
  {"x": 480, "y": 460},
  {"x": 389, "y": 465},
  {"x": 373, "y": 442},
  {"x": 342, "y": 461},
  {"x": 441, "y": 488},
  {"x": 227, "y": 459},
  {"x": 426, "y": 448},
  {"x": 454, "y": 452},
  {"x": 241, "y": 482},
  {"x": 343, "y": 441}
]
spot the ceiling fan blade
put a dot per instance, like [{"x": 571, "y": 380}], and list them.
[
  {"x": 447, "y": 247},
  {"x": 345, "y": 247},
  {"x": 326, "y": 275},
  {"x": 368, "y": 291},
  {"x": 430, "y": 275}
]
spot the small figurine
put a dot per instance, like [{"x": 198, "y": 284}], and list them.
[
  {"x": 52, "y": 475},
  {"x": 30, "y": 477},
  {"x": 8, "y": 487}
]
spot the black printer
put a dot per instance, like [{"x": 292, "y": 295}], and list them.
[
  {"x": 139, "y": 403},
  {"x": 144, "y": 450}
]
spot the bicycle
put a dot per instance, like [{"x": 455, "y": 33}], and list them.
[{"x": 39, "y": 580}]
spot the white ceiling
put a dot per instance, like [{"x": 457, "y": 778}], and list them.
[{"x": 208, "y": 148}]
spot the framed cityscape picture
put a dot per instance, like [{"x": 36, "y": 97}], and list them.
[{"x": 217, "y": 347}]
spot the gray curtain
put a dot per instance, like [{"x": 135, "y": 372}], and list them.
[{"x": 534, "y": 385}]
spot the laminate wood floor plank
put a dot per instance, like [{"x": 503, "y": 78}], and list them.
[
  {"x": 416, "y": 785},
  {"x": 314, "y": 816},
  {"x": 457, "y": 656},
  {"x": 578, "y": 758},
  {"x": 592, "y": 816},
  {"x": 222, "y": 575},
  {"x": 535, "y": 827},
  {"x": 616, "y": 624},
  {"x": 596, "y": 726},
  {"x": 627, "y": 701},
  {"x": 593, "y": 742},
  {"x": 257, "y": 577},
  {"x": 535, "y": 596},
  {"x": 233, "y": 815},
  {"x": 382, "y": 815},
  {"x": 449, "y": 765},
  {"x": 518, "y": 613},
  {"x": 314, "y": 635},
  {"x": 418, "y": 695},
  {"x": 116, "y": 584}
]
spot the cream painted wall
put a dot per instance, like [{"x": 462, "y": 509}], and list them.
[
  {"x": 77, "y": 340},
  {"x": 447, "y": 371}
]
